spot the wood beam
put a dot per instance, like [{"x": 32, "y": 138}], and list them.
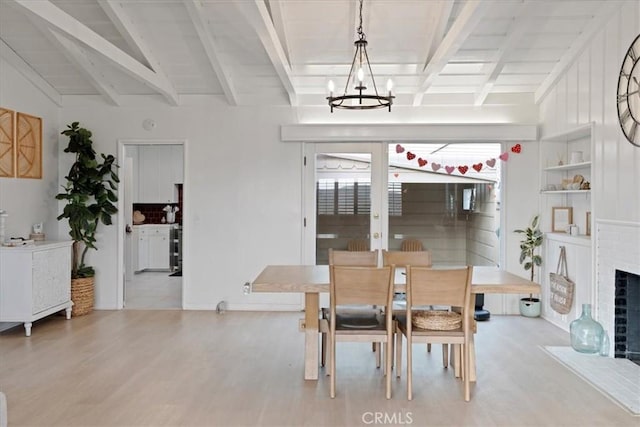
[
  {"x": 577, "y": 47},
  {"x": 64, "y": 23},
  {"x": 469, "y": 17},
  {"x": 92, "y": 72},
  {"x": 437, "y": 31},
  {"x": 519, "y": 27},
  {"x": 258, "y": 15},
  {"x": 129, "y": 31},
  {"x": 277, "y": 15},
  {"x": 29, "y": 73},
  {"x": 197, "y": 15}
]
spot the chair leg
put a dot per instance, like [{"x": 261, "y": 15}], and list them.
[
  {"x": 323, "y": 351},
  {"x": 428, "y": 347},
  {"x": 409, "y": 370},
  {"x": 398, "y": 354},
  {"x": 378, "y": 354},
  {"x": 332, "y": 367},
  {"x": 467, "y": 370},
  {"x": 445, "y": 355},
  {"x": 457, "y": 361},
  {"x": 389, "y": 358}
]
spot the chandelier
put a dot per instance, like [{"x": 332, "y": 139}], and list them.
[{"x": 360, "y": 63}]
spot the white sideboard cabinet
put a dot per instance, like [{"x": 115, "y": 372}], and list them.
[{"x": 35, "y": 281}]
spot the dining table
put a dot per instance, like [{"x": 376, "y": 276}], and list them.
[{"x": 312, "y": 280}]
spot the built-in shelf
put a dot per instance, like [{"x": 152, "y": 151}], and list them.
[
  {"x": 568, "y": 167},
  {"x": 580, "y": 239},
  {"x": 570, "y": 135},
  {"x": 564, "y": 191}
]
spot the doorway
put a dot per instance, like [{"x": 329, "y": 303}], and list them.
[
  {"x": 151, "y": 207},
  {"x": 387, "y": 194}
]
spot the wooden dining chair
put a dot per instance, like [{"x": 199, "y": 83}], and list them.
[
  {"x": 450, "y": 287},
  {"x": 361, "y": 285},
  {"x": 358, "y": 314},
  {"x": 403, "y": 259}
]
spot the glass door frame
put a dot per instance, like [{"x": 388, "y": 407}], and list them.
[{"x": 379, "y": 216}]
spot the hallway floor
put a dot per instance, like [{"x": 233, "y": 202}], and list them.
[{"x": 155, "y": 290}]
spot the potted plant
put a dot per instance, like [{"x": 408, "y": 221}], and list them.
[
  {"x": 530, "y": 307},
  {"x": 90, "y": 196}
]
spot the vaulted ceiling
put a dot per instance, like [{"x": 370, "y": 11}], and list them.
[{"x": 283, "y": 52}]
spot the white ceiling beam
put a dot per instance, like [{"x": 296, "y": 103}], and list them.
[
  {"x": 277, "y": 15},
  {"x": 597, "y": 24},
  {"x": 445, "y": 7},
  {"x": 197, "y": 15},
  {"x": 516, "y": 32},
  {"x": 259, "y": 19},
  {"x": 54, "y": 17},
  {"x": 29, "y": 73},
  {"x": 129, "y": 31},
  {"x": 92, "y": 72},
  {"x": 469, "y": 17}
]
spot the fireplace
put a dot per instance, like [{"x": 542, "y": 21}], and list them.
[
  {"x": 617, "y": 295},
  {"x": 627, "y": 316}
]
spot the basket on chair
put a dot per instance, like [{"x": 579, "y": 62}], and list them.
[
  {"x": 82, "y": 295},
  {"x": 436, "y": 320}
]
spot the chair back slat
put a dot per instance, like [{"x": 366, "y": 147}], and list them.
[
  {"x": 357, "y": 245},
  {"x": 360, "y": 285},
  {"x": 427, "y": 286},
  {"x": 411, "y": 245},
  {"x": 362, "y": 259},
  {"x": 402, "y": 259}
]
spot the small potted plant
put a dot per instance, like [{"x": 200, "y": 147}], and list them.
[
  {"x": 530, "y": 307},
  {"x": 90, "y": 196}
]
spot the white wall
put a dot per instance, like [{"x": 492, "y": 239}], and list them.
[
  {"x": 242, "y": 196},
  {"x": 28, "y": 201},
  {"x": 587, "y": 93}
]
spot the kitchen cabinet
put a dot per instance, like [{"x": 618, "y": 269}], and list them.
[
  {"x": 153, "y": 246},
  {"x": 160, "y": 168},
  {"x": 35, "y": 281}
]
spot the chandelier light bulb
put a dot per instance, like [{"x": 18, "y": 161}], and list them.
[
  {"x": 389, "y": 85},
  {"x": 360, "y": 75},
  {"x": 331, "y": 86}
]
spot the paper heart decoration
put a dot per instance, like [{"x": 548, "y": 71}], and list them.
[
  {"x": 399, "y": 148},
  {"x": 516, "y": 148},
  {"x": 435, "y": 166},
  {"x": 478, "y": 167},
  {"x": 421, "y": 162},
  {"x": 504, "y": 156},
  {"x": 410, "y": 155},
  {"x": 463, "y": 169},
  {"x": 396, "y": 174},
  {"x": 491, "y": 162},
  {"x": 449, "y": 169}
]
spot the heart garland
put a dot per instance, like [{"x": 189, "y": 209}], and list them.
[{"x": 517, "y": 149}]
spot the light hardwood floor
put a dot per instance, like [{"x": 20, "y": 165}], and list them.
[
  {"x": 153, "y": 290},
  {"x": 194, "y": 368}
]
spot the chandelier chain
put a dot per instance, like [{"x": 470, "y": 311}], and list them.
[{"x": 361, "y": 33}]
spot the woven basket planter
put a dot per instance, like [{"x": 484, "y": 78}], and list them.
[
  {"x": 82, "y": 295},
  {"x": 436, "y": 320}
]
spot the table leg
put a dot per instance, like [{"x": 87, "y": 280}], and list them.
[{"x": 311, "y": 328}]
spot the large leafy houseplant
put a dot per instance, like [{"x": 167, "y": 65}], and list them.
[
  {"x": 90, "y": 196},
  {"x": 532, "y": 240}
]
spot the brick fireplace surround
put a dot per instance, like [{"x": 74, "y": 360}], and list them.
[{"x": 617, "y": 248}]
